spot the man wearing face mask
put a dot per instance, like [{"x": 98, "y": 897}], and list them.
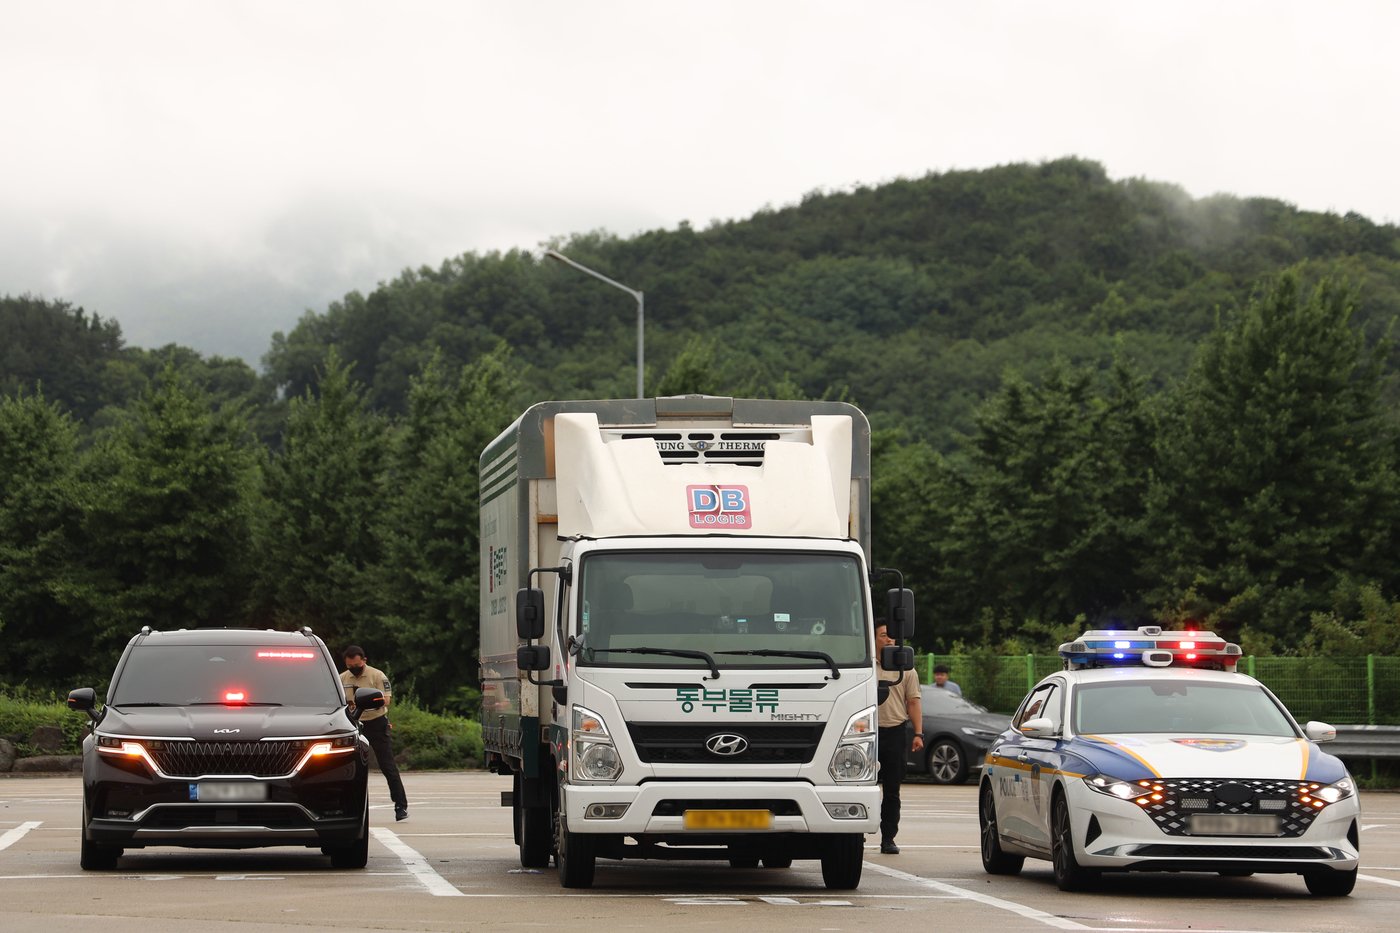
[{"x": 374, "y": 723}]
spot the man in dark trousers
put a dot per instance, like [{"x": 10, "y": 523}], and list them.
[
  {"x": 374, "y": 723},
  {"x": 902, "y": 707}
]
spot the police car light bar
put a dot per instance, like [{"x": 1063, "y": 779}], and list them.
[{"x": 1151, "y": 646}]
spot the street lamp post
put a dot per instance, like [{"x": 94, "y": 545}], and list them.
[{"x": 641, "y": 313}]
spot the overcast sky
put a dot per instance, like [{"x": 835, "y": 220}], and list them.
[{"x": 204, "y": 172}]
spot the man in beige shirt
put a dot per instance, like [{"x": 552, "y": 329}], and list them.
[
  {"x": 374, "y": 723},
  {"x": 902, "y": 707}
]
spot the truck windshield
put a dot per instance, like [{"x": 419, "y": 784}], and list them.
[{"x": 720, "y": 602}]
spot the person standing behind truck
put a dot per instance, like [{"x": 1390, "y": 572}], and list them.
[
  {"x": 901, "y": 707},
  {"x": 374, "y": 723}
]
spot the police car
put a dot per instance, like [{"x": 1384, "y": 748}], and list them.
[{"x": 1148, "y": 752}]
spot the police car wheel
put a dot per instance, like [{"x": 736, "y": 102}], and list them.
[
  {"x": 994, "y": 860},
  {"x": 1069, "y": 874},
  {"x": 1329, "y": 883}
]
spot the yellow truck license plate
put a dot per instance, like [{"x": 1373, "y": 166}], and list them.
[{"x": 728, "y": 819}]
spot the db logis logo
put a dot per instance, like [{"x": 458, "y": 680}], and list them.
[{"x": 715, "y": 506}]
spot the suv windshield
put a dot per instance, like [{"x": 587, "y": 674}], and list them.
[
  {"x": 722, "y": 602},
  {"x": 186, "y": 675},
  {"x": 1178, "y": 706}
]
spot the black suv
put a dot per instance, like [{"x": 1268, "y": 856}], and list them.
[{"x": 225, "y": 738}]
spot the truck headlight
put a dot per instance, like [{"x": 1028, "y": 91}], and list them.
[
  {"x": 854, "y": 759},
  {"x": 595, "y": 757}
]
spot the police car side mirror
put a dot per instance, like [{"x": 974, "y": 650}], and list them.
[
  {"x": 1038, "y": 728},
  {"x": 529, "y": 613},
  {"x": 1320, "y": 731}
]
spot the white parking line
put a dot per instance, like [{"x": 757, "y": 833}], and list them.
[
  {"x": 417, "y": 866},
  {"x": 1393, "y": 884},
  {"x": 18, "y": 833},
  {"x": 1030, "y": 913}
]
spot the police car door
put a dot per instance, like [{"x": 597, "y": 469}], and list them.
[
  {"x": 1043, "y": 756},
  {"x": 1012, "y": 776}
]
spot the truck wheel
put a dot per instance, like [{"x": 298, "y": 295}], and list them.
[
  {"x": 94, "y": 857},
  {"x": 946, "y": 763},
  {"x": 842, "y": 859},
  {"x": 575, "y": 854},
  {"x": 532, "y": 830},
  {"x": 354, "y": 854}
]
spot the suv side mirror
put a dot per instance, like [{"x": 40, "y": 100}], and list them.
[
  {"x": 900, "y": 618},
  {"x": 529, "y": 613},
  {"x": 85, "y": 699},
  {"x": 897, "y": 658},
  {"x": 368, "y": 698}
]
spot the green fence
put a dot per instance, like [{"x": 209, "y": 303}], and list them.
[{"x": 1364, "y": 690}]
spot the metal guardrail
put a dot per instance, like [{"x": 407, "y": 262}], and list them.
[{"x": 1365, "y": 742}]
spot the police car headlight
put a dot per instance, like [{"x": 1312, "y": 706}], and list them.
[
  {"x": 1333, "y": 792},
  {"x": 1112, "y": 786}
]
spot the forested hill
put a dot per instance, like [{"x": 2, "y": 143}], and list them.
[
  {"x": 910, "y": 298},
  {"x": 1096, "y": 403}
]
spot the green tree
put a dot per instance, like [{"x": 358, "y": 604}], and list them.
[
  {"x": 40, "y": 544},
  {"x": 318, "y": 545},
  {"x": 429, "y": 575},
  {"x": 1277, "y": 477},
  {"x": 167, "y": 527}
]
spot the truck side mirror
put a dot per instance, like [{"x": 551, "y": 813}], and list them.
[
  {"x": 529, "y": 614},
  {"x": 897, "y": 658},
  {"x": 900, "y": 617},
  {"x": 532, "y": 657}
]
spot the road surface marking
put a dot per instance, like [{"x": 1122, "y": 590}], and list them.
[
  {"x": 18, "y": 833},
  {"x": 416, "y": 864},
  {"x": 1030, "y": 913}
]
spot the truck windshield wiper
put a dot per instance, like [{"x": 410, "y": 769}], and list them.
[
  {"x": 673, "y": 652},
  {"x": 783, "y": 653}
]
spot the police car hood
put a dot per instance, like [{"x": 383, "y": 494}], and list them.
[
  {"x": 1133, "y": 756},
  {"x": 225, "y": 723}
]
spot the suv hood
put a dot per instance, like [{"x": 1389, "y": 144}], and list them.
[{"x": 225, "y": 723}]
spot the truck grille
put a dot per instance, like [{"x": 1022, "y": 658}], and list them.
[
  {"x": 260, "y": 759},
  {"x": 1183, "y": 797},
  {"x": 776, "y": 743}
]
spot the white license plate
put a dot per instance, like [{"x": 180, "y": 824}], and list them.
[
  {"x": 224, "y": 791},
  {"x": 1232, "y": 824}
]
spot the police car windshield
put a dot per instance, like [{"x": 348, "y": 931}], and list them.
[
  {"x": 233, "y": 675},
  {"x": 743, "y": 608},
  {"x": 1178, "y": 706}
]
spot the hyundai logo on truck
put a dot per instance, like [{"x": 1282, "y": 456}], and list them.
[{"x": 727, "y": 743}]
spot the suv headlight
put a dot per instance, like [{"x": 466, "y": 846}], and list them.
[
  {"x": 595, "y": 757},
  {"x": 854, "y": 760}
]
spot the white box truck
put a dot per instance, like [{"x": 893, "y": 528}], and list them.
[{"x": 677, "y": 653}]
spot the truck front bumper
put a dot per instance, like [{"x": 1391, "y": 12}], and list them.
[{"x": 658, "y": 808}]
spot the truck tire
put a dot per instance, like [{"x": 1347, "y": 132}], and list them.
[
  {"x": 842, "y": 859},
  {"x": 575, "y": 854},
  {"x": 532, "y": 831}
]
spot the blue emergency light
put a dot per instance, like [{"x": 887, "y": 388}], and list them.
[{"x": 1151, "y": 646}]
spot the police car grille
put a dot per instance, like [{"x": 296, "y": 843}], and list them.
[
  {"x": 260, "y": 759},
  {"x": 1184, "y": 797},
  {"x": 777, "y": 743},
  {"x": 1258, "y": 853}
]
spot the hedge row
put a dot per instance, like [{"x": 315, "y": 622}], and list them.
[{"x": 422, "y": 740}]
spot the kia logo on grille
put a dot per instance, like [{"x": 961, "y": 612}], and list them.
[
  {"x": 727, "y": 744},
  {"x": 226, "y": 731}
]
